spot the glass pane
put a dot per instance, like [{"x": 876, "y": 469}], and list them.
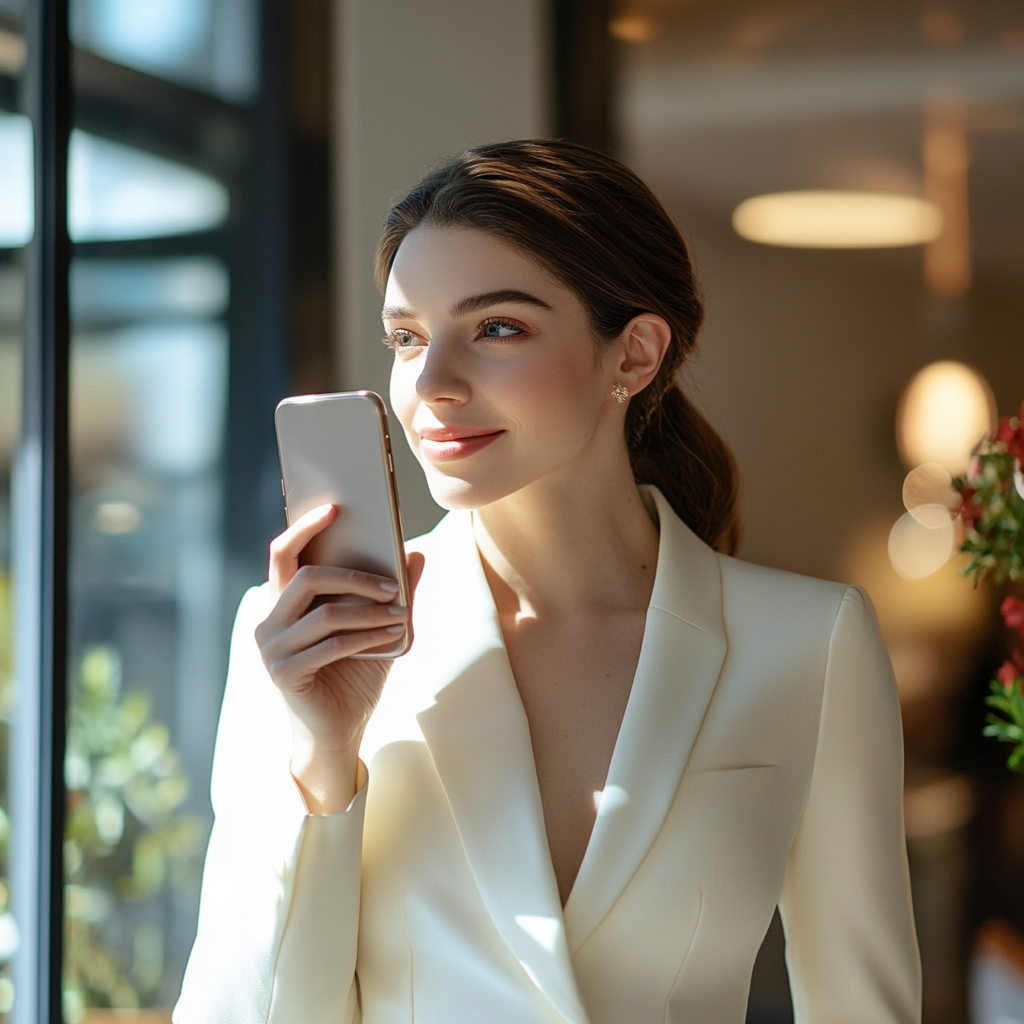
[
  {"x": 11, "y": 296},
  {"x": 15, "y": 230},
  {"x": 149, "y": 387},
  {"x": 207, "y": 44},
  {"x": 117, "y": 192},
  {"x": 16, "y": 212},
  {"x": 168, "y": 226}
]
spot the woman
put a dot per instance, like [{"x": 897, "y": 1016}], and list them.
[{"x": 613, "y": 749}]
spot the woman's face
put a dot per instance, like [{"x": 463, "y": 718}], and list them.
[{"x": 497, "y": 379}]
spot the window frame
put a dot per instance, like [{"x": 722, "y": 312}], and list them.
[{"x": 40, "y": 484}]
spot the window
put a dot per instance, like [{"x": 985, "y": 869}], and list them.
[{"x": 174, "y": 264}]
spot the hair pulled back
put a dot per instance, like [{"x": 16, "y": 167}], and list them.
[{"x": 596, "y": 227}]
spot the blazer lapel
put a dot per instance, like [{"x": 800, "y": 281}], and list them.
[
  {"x": 479, "y": 739},
  {"x": 681, "y": 657}
]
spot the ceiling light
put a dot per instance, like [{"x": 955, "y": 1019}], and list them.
[{"x": 837, "y": 220}]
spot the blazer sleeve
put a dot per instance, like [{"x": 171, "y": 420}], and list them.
[
  {"x": 851, "y": 946},
  {"x": 279, "y": 909}
]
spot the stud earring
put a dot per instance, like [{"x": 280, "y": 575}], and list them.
[{"x": 620, "y": 392}]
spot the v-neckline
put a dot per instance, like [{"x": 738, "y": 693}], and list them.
[
  {"x": 611, "y": 794},
  {"x": 470, "y": 714}
]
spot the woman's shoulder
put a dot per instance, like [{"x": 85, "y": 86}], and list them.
[
  {"x": 780, "y": 584},
  {"x": 776, "y": 604}
]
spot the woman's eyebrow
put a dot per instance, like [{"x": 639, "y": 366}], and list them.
[
  {"x": 398, "y": 313},
  {"x": 474, "y": 303},
  {"x": 470, "y": 304}
]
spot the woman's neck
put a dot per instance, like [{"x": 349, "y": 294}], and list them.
[{"x": 571, "y": 541}]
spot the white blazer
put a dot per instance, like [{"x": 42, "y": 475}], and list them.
[{"x": 759, "y": 762}]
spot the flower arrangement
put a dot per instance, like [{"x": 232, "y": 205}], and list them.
[{"x": 992, "y": 513}]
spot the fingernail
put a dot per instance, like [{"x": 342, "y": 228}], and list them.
[
  {"x": 391, "y": 588},
  {"x": 396, "y": 609},
  {"x": 323, "y": 510},
  {"x": 395, "y": 629}
]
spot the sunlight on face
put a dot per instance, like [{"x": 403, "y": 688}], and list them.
[{"x": 497, "y": 380}]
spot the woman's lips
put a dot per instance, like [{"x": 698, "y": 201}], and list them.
[{"x": 447, "y": 445}]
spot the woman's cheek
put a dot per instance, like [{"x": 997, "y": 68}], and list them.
[{"x": 402, "y": 392}]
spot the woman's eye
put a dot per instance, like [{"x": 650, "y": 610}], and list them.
[
  {"x": 500, "y": 329},
  {"x": 401, "y": 339}
]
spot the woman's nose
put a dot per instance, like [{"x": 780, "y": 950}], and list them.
[{"x": 441, "y": 377}]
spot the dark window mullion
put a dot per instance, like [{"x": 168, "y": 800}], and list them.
[{"x": 41, "y": 525}]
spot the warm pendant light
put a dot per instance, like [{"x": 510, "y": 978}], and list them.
[{"x": 837, "y": 220}]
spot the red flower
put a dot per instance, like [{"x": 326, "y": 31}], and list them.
[
  {"x": 1007, "y": 673},
  {"x": 1012, "y": 611},
  {"x": 1005, "y": 431},
  {"x": 1011, "y": 435},
  {"x": 968, "y": 511}
]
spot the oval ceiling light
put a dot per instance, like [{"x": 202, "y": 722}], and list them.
[
  {"x": 837, "y": 220},
  {"x": 944, "y": 412}
]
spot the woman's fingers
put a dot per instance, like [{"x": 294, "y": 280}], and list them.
[
  {"x": 330, "y": 618},
  {"x": 312, "y": 581},
  {"x": 294, "y": 671},
  {"x": 286, "y": 547},
  {"x": 414, "y": 563}
]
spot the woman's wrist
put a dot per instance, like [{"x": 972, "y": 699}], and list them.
[{"x": 329, "y": 780}]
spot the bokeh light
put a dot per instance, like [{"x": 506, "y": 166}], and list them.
[
  {"x": 926, "y": 487},
  {"x": 920, "y": 545},
  {"x": 944, "y": 412}
]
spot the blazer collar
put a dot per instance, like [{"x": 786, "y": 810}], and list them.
[
  {"x": 473, "y": 722},
  {"x": 680, "y": 661}
]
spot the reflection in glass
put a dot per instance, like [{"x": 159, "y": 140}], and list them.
[
  {"x": 115, "y": 191},
  {"x": 119, "y": 192},
  {"x": 149, "y": 386},
  {"x": 15, "y": 229},
  {"x": 11, "y": 303},
  {"x": 15, "y": 180},
  {"x": 208, "y": 44},
  {"x": 111, "y": 291}
]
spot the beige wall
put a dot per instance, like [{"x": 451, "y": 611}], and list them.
[{"x": 415, "y": 82}]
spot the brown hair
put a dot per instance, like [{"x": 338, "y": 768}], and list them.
[{"x": 600, "y": 231}]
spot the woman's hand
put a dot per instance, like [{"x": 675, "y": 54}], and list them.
[{"x": 308, "y": 652}]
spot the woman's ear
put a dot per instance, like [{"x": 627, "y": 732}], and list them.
[{"x": 645, "y": 340}]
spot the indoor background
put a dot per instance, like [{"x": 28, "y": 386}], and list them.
[{"x": 229, "y": 166}]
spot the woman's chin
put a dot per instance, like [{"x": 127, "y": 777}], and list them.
[
  {"x": 458, "y": 493},
  {"x": 453, "y": 495}
]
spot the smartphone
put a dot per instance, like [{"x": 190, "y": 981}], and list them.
[{"x": 336, "y": 449}]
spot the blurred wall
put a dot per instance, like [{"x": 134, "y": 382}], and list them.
[{"x": 415, "y": 82}]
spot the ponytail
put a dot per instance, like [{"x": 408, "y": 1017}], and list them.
[{"x": 679, "y": 452}]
